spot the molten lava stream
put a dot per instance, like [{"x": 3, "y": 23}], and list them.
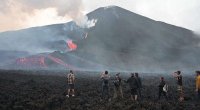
[
  {"x": 59, "y": 61},
  {"x": 32, "y": 61}
]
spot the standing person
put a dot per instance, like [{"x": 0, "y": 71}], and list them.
[
  {"x": 133, "y": 84},
  {"x": 105, "y": 86},
  {"x": 118, "y": 86},
  {"x": 71, "y": 82},
  {"x": 179, "y": 78},
  {"x": 198, "y": 84},
  {"x": 162, "y": 88},
  {"x": 139, "y": 84}
]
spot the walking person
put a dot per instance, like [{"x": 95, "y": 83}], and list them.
[
  {"x": 105, "y": 86},
  {"x": 162, "y": 88},
  {"x": 117, "y": 87},
  {"x": 71, "y": 82},
  {"x": 138, "y": 79},
  {"x": 133, "y": 84}
]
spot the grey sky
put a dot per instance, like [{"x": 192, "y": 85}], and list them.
[
  {"x": 18, "y": 14},
  {"x": 184, "y": 13}
]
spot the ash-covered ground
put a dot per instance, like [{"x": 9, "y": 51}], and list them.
[{"x": 45, "y": 90}]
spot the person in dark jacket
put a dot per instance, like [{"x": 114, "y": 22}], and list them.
[
  {"x": 161, "y": 86},
  {"x": 133, "y": 84},
  {"x": 139, "y": 84}
]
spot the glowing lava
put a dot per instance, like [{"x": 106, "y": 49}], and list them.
[
  {"x": 59, "y": 61},
  {"x": 71, "y": 45},
  {"x": 39, "y": 61}
]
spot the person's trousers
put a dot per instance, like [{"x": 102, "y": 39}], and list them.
[
  {"x": 139, "y": 93},
  {"x": 198, "y": 94},
  {"x": 161, "y": 92},
  {"x": 118, "y": 92},
  {"x": 105, "y": 92}
]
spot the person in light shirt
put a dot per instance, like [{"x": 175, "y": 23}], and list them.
[
  {"x": 71, "y": 82},
  {"x": 105, "y": 86}
]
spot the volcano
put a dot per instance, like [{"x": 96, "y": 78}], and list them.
[
  {"x": 128, "y": 41},
  {"x": 125, "y": 41}
]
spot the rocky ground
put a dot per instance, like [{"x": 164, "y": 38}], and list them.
[{"x": 45, "y": 90}]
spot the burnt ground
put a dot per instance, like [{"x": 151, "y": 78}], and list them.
[{"x": 45, "y": 90}]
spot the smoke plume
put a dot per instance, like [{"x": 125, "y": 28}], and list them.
[{"x": 16, "y": 14}]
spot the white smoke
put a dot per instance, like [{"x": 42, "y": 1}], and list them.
[
  {"x": 84, "y": 22},
  {"x": 17, "y": 14}
]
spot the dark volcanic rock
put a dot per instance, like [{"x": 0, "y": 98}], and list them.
[{"x": 41, "y": 92}]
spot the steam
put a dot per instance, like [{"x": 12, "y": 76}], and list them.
[
  {"x": 83, "y": 22},
  {"x": 17, "y": 14}
]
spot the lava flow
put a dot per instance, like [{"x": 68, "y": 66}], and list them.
[
  {"x": 59, "y": 61},
  {"x": 39, "y": 61},
  {"x": 71, "y": 45}
]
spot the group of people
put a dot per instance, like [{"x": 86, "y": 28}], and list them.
[
  {"x": 134, "y": 82},
  {"x": 135, "y": 85}
]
